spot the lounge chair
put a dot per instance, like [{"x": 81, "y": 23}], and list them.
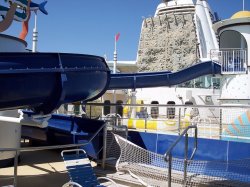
[{"x": 80, "y": 170}]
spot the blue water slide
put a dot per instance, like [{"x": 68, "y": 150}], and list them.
[
  {"x": 166, "y": 78},
  {"x": 44, "y": 81}
]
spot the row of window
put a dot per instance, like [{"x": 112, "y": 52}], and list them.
[
  {"x": 207, "y": 82},
  {"x": 142, "y": 111}
]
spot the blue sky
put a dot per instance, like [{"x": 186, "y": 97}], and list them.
[{"x": 89, "y": 27}]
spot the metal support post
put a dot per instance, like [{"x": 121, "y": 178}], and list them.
[
  {"x": 220, "y": 130},
  {"x": 233, "y": 62},
  {"x": 104, "y": 151},
  {"x": 133, "y": 102},
  {"x": 90, "y": 113},
  {"x": 15, "y": 168},
  {"x": 179, "y": 122},
  {"x": 186, "y": 159},
  {"x": 169, "y": 169},
  {"x": 116, "y": 119}
]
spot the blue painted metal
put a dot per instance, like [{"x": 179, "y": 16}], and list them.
[
  {"x": 217, "y": 158},
  {"x": 208, "y": 149},
  {"x": 156, "y": 79},
  {"x": 44, "y": 81},
  {"x": 41, "y": 7},
  {"x": 63, "y": 129}
]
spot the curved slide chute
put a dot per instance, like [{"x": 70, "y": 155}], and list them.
[
  {"x": 166, "y": 78},
  {"x": 44, "y": 81}
]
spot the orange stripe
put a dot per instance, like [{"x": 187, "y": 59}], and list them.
[
  {"x": 235, "y": 128},
  {"x": 240, "y": 120},
  {"x": 248, "y": 115}
]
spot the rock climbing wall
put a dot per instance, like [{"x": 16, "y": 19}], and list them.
[{"x": 167, "y": 42}]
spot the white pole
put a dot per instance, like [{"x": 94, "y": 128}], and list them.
[
  {"x": 243, "y": 5},
  {"x": 35, "y": 35},
  {"x": 115, "y": 58},
  {"x": 114, "y": 71}
]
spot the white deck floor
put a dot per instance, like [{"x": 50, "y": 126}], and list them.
[{"x": 46, "y": 168}]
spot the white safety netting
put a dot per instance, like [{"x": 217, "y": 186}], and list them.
[
  {"x": 151, "y": 169},
  {"x": 113, "y": 149}
]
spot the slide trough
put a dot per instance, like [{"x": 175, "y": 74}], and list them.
[
  {"x": 165, "y": 78},
  {"x": 44, "y": 81}
]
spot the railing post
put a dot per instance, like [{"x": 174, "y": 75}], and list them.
[
  {"x": 233, "y": 61},
  {"x": 196, "y": 138},
  {"x": 169, "y": 169},
  {"x": 179, "y": 122},
  {"x": 220, "y": 129},
  {"x": 168, "y": 154},
  {"x": 104, "y": 151},
  {"x": 186, "y": 159},
  {"x": 15, "y": 168},
  {"x": 90, "y": 113},
  {"x": 116, "y": 124},
  {"x": 245, "y": 61},
  {"x": 227, "y": 60}
]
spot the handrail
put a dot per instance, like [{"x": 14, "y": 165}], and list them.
[
  {"x": 168, "y": 155},
  {"x": 170, "y": 105},
  {"x": 179, "y": 138},
  {"x": 40, "y": 148}
]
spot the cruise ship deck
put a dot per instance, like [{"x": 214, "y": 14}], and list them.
[{"x": 47, "y": 168}]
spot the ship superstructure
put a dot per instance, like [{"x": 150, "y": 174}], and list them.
[
  {"x": 180, "y": 35},
  {"x": 166, "y": 110}
]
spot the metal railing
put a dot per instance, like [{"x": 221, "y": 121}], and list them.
[
  {"x": 41, "y": 148},
  {"x": 168, "y": 155},
  {"x": 211, "y": 120},
  {"x": 233, "y": 61}
]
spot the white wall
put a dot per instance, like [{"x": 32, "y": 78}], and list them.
[
  {"x": 207, "y": 33},
  {"x": 11, "y": 44}
]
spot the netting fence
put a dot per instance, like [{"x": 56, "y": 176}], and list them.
[{"x": 152, "y": 169}]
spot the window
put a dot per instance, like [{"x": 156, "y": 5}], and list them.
[
  {"x": 187, "y": 103},
  {"x": 119, "y": 107},
  {"x": 193, "y": 112},
  {"x": 216, "y": 83},
  {"x": 106, "y": 110},
  {"x": 76, "y": 108},
  {"x": 155, "y": 110},
  {"x": 171, "y": 111},
  {"x": 141, "y": 112}
]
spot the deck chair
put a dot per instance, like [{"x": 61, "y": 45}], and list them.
[{"x": 80, "y": 170}]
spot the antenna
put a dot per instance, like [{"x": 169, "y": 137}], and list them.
[{"x": 35, "y": 35}]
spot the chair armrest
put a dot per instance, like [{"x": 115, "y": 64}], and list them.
[
  {"x": 72, "y": 150},
  {"x": 108, "y": 179},
  {"x": 71, "y": 183}
]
